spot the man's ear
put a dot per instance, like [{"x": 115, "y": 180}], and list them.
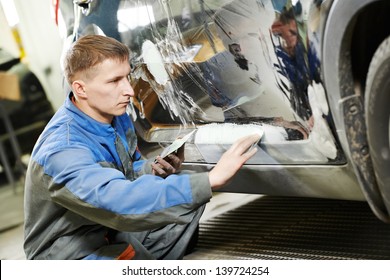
[{"x": 78, "y": 88}]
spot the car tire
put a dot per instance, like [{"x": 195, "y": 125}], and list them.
[{"x": 377, "y": 114}]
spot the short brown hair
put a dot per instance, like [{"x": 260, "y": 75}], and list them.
[{"x": 91, "y": 50}]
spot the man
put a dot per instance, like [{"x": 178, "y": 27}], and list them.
[
  {"x": 88, "y": 194},
  {"x": 298, "y": 61}
]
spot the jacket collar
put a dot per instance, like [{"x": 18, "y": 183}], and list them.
[{"x": 85, "y": 121}]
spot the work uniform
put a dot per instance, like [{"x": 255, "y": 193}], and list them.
[{"x": 88, "y": 194}]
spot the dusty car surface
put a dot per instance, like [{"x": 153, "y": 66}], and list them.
[{"x": 311, "y": 75}]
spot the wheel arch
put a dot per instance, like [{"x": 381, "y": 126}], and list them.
[{"x": 351, "y": 36}]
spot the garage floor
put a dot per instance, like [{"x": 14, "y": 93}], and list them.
[
  {"x": 11, "y": 222},
  {"x": 279, "y": 228},
  {"x": 241, "y": 226}
]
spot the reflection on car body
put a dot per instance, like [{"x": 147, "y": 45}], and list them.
[{"x": 220, "y": 67}]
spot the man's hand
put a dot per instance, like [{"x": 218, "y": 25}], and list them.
[
  {"x": 232, "y": 160},
  {"x": 171, "y": 164}
]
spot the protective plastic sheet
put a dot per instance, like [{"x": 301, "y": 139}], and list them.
[{"x": 245, "y": 62}]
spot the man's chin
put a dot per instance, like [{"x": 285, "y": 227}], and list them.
[{"x": 120, "y": 112}]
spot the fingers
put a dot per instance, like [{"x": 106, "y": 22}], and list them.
[
  {"x": 232, "y": 160},
  {"x": 163, "y": 168},
  {"x": 158, "y": 170},
  {"x": 246, "y": 144},
  {"x": 167, "y": 166},
  {"x": 175, "y": 161},
  {"x": 252, "y": 150}
]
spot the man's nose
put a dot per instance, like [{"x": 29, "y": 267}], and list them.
[{"x": 128, "y": 89}]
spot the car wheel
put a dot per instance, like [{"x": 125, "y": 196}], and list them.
[{"x": 377, "y": 114}]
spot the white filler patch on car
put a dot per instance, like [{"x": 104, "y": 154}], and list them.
[{"x": 154, "y": 62}]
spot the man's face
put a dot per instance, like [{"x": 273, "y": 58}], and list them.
[
  {"x": 108, "y": 91},
  {"x": 289, "y": 33}
]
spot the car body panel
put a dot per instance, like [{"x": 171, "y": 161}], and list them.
[
  {"x": 257, "y": 86},
  {"x": 229, "y": 68}
]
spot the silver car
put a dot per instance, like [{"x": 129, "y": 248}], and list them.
[{"x": 312, "y": 76}]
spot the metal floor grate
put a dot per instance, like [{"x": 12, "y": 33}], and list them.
[{"x": 295, "y": 228}]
